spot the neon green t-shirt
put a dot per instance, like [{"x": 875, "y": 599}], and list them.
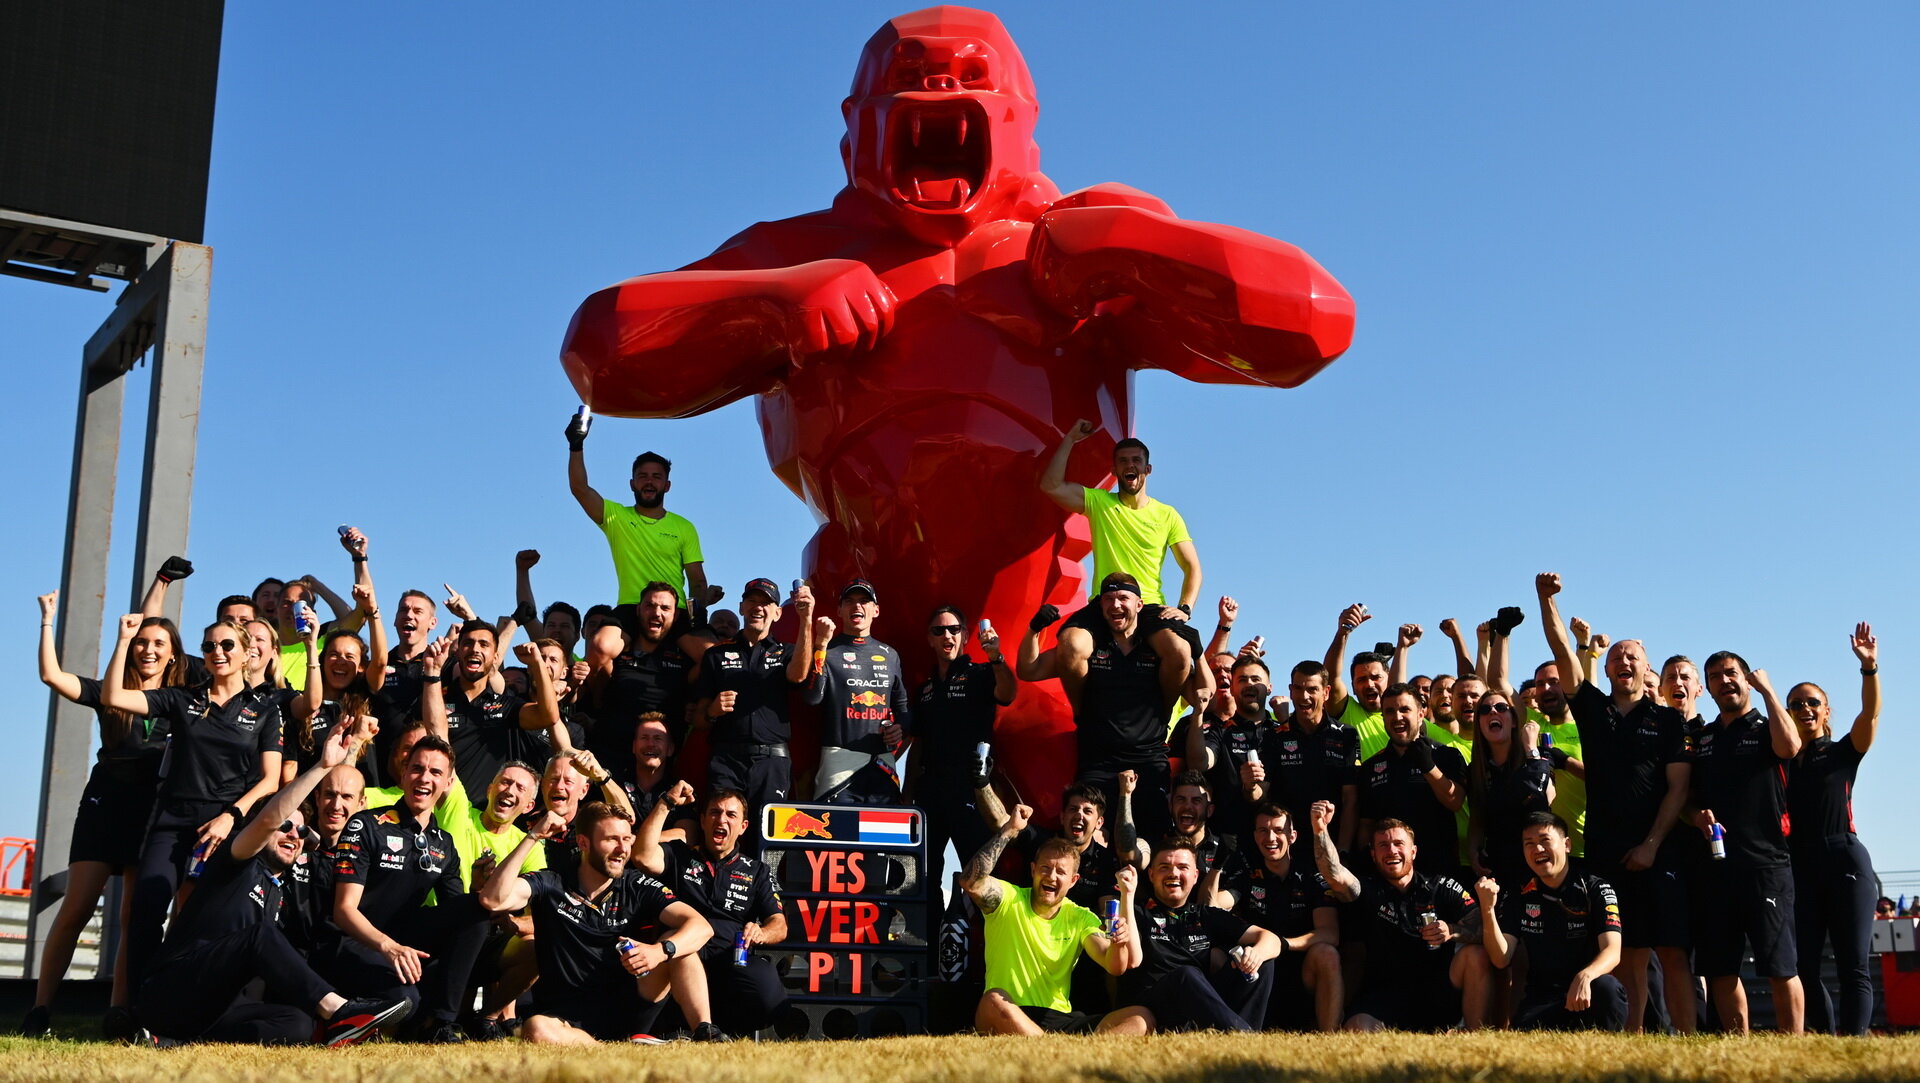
[
  {"x": 1371, "y": 725},
  {"x": 1463, "y": 744},
  {"x": 1132, "y": 540},
  {"x": 293, "y": 665},
  {"x": 648, "y": 550},
  {"x": 1569, "y": 792},
  {"x": 457, "y": 816},
  {"x": 1032, "y": 957}
]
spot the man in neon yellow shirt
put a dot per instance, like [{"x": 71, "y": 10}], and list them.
[
  {"x": 1035, "y": 935},
  {"x": 1132, "y": 534},
  {"x": 649, "y": 543},
  {"x": 1357, "y": 705}
]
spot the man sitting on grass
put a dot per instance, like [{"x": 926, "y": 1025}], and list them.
[
  {"x": 1035, "y": 934},
  {"x": 1568, "y": 919}
]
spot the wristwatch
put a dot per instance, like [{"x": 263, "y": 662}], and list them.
[{"x": 667, "y": 946}]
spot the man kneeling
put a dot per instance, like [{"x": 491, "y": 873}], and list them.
[
  {"x": 1035, "y": 935},
  {"x": 1564, "y": 917},
  {"x": 588, "y": 921}
]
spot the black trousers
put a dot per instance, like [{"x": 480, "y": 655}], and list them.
[
  {"x": 451, "y": 934},
  {"x": 951, "y": 817},
  {"x": 163, "y": 863},
  {"x": 193, "y": 997},
  {"x": 1190, "y": 1000},
  {"x": 1151, "y": 818},
  {"x": 1548, "y": 1011},
  {"x": 744, "y": 998},
  {"x": 1833, "y": 895},
  {"x": 761, "y": 777}
]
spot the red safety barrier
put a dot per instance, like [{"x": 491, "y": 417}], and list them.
[{"x": 16, "y": 866}]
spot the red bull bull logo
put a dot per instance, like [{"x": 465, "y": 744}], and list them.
[
  {"x": 791, "y": 823},
  {"x": 868, "y": 699}
]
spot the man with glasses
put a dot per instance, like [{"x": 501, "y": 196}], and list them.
[
  {"x": 228, "y": 935},
  {"x": 954, "y": 709},
  {"x": 390, "y": 864}
]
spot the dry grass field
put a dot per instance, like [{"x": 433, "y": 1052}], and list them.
[{"x": 983, "y": 1060}]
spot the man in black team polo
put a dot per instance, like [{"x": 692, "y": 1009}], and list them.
[
  {"x": 864, "y": 718},
  {"x": 1286, "y": 897},
  {"x": 486, "y": 728},
  {"x": 705, "y": 869},
  {"x": 389, "y": 861},
  {"x": 598, "y": 925},
  {"x": 742, "y": 693},
  {"x": 1309, "y": 756},
  {"x": 228, "y": 934},
  {"x": 1740, "y": 786},
  {"x": 953, "y": 715},
  {"x": 1203, "y": 968},
  {"x": 1228, "y": 751},
  {"x": 1569, "y": 921},
  {"x": 653, "y": 674},
  {"x": 1416, "y": 781}
]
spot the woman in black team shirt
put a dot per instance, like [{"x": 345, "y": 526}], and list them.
[
  {"x": 1506, "y": 783},
  {"x": 1834, "y": 884},
  {"x": 223, "y": 758},
  {"x": 340, "y": 683},
  {"x": 118, "y": 800}
]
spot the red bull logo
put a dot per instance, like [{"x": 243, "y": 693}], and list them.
[
  {"x": 791, "y": 823},
  {"x": 868, "y": 699}
]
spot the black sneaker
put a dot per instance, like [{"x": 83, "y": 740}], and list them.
[
  {"x": 38, "y": 1021},
  {"x": 443, "y": 1032},
  {"x": 710, "y": 1032},
  {"x": 358, "y": 1020},
  {"x": 482, "y": 1029},
  {"x": 118, "y": 1025}
]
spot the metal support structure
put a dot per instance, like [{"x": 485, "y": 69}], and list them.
[{"x": 165, "y": 310}]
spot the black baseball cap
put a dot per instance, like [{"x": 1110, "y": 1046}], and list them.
[
  {"x": 764, "y": 586},
  {"x": 1120, "y": 581},
  {"x": 859, "y": 584}
]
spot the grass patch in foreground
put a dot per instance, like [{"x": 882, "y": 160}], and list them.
[{"x": 1492, "y": 1056}]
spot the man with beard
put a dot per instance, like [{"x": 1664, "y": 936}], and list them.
[
  {"x": 743, "y": 689},
  {"x": 1289, "y": 900},
  {"x": 1740, "y": 784},
  {"x": 485, "y": 727},
  {"x": 564, "y": 786},
  {"x": 1414, "y": 780},
  {"x": 1309, "y": 756},
  {"x": 705, "y": 869},
  {"x": 1568, "y": 919},
  {"x": 1132, "y": 535},
  {"x": 1227, "y": 752},
  {"x": 649, "y": 543},
  {"x": 227, "y": 935},
  {"x": 653, "y": 673},
  {"x": 1035, "y": 937},
  {"x": 1424, "y": 965},
  {"x": 1083, "y": 818},
  {"x": 1120, "y": 703},
  {"x": 1360, "y": 706},
  {"x": 388, "y": 862},
  {"x": 1217, "y": 856},
  {"x": 865, "y": 716},
  {"x": 954, "y": 712},
  {"x": 1639, "y": 760},
  {"x": 1202, "y": 968},
  {"x": 600, "y": 924}
]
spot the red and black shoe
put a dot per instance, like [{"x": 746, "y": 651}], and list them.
[{"x": 357, "y": 1020}]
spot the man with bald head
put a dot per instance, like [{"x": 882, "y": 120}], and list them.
[{"x": 1639, "y": 761}]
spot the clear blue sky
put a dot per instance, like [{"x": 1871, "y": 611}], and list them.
[{"x": 1634, "y": 290}]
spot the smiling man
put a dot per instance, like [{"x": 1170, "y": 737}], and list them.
[
  {"x": 705, "y": 868},
  {"x": 1202, "y": 968},
  {"x": 1568, "y": 920},
  {"x": 865, "y": 717},
  {"x": 648, "y": 542},
  {"x": 1289, "y": 899},
  {"x": 1035, "y": 935}
]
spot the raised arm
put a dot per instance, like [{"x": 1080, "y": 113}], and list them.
[
  {"x": 1403, "y": 641},
  {"x": 1547, "y": 586},
  {"x": 1034, "y": 665},
  {"x": 171, "y": 570},
  {"x": 1223, "y": 630},
  {"x": 1867, "y": 723},
  {"x": 64, "y": 684},
  {"x": 1341, "y": 884},
  {"x": 544, "y": 711},
  {"x": 131, "y": 700},
  {"x": 1781, "y": 729},
  {"x": 806, "y": 636},
  {"x": 1499, "y": 945},
  {"x": 337, "y": 750},
  {"x": 977, "y": 880},
  {"x": 1584, "y": 650},
  {"x": 584, "y": 494},
  {"x": 1351, "y": 617},
  {"x": 1005, "y": 684},
  {"x": 506, "y": 891},
  {"x": 1117, "y": 955},
  {"x": 523, "y": 562},
  {"x": 1462, "y": 660},
  {"x": 433, "y": 693},
  {"x": 1127, "y": 842},
  {"x": 1053, "y": 480},
  {"x": 646, "y": 838}
]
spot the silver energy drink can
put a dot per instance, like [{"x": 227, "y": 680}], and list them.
[{"x": 1427, "y": 919}]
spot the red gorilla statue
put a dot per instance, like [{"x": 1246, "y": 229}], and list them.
[{"x": 919, "y": 348}]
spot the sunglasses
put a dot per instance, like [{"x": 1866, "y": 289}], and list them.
[
  {"x": 225, "y": 646},
  {"x": 1796, "y": 704},
  {"x": 1493, "y": 708},
  {"x": 945, "y": 630},
  {"x": 427, "y": 863}
]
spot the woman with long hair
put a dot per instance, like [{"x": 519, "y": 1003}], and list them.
[
  {"x": 223, "y": 758},
  {"x": 342, "y": 675},
  {"x": 118, "y": 799},
  {"x": 1507, "y": 782},
  {"x": 1833, "y": 880}
]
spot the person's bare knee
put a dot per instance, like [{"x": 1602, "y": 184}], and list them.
[{"x": 1134, "y": 1021}]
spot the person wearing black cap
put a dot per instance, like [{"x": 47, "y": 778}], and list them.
[
  {"x": 866, "y": 716},
  {"x": 742, "y": 694},
  {"x": 1120, "y": 709}
]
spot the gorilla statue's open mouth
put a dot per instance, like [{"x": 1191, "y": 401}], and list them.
[{"x": 937, "y": 153}]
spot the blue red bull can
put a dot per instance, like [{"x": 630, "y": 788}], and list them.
[
  {"x": 740, "y": 956},
  {"x": 1717, "y": 842},
  {"x": 1113, "y": 917},
  {"x": 199, "y": 862}
]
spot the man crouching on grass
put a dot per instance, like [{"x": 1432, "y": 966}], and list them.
[
  {"x": 1035, "y": 935},
  {"x": 588, "y": 920}
]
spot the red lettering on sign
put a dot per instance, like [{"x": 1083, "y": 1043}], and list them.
[
  {"x": 866, "y": 917},
  {"x": 856, "y": 975},
  {"x": 836, "y": 872},
  {"x": 813, "y": 914},
  {"x": 818, "y": 963},
  {"x": 859, "y": 881},
  {"x": 837, "y": 924}
]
